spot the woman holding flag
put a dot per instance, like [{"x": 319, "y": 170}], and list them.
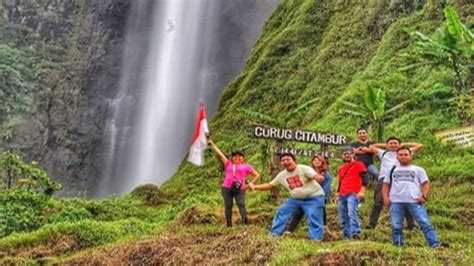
[{"x": 234, "y": 184}]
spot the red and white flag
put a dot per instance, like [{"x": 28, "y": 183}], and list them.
[{"x": 196, "y": 153}]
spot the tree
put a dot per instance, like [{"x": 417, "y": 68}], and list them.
[
  {"x": 16, "y": 173},
  {"x": 373, "y": 110},
  {"x": 451, "y": 47}
]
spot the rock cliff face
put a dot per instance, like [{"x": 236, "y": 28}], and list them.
[
  {"x": 62, "y": 68},
  {"x": 74, "y": 48}
]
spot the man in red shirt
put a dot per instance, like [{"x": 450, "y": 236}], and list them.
[{"x": 352, "y": 183}]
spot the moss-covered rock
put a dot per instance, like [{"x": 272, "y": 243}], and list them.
[{"x": 150, "y": 194}]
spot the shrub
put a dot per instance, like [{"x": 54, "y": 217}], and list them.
[
  {"x": 20, "y": 210},
  {"x": 70, "y": 215},
  {"x": 30, "y": 176},
  {"x": 86, "y": 233}
]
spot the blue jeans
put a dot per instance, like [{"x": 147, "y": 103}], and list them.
[
  {"x": 312, "y": 208},
  {"x": 373, "y": 171},
  {"x": 326, "y": 185},
  {"x": 378, "y": 207},
  {"x": 418, "y": 211},
  {"x": 348, "y": 215}
]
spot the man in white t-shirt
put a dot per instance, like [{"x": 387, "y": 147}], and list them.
[
  {"x": 387, "y": 153},
  {"x": 401, "y": 191},
  {"x": 306, "y": 195}
]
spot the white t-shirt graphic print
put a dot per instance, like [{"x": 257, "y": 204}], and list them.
[{"x": 406, "y": 182}]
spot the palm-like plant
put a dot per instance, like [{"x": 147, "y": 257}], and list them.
[
  {"x": 451, "y": 47},
  {"x": 373, "y": 110}
]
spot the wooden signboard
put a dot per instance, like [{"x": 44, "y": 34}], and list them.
[
  {"x": 305, "y": 152},
  {"x": 283, "y": 134},
  {"x": 461, "y": 137}
]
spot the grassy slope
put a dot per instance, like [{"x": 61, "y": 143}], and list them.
[
  {"x": 329, "y": 50},
  {"x": 309, "y": 49}
]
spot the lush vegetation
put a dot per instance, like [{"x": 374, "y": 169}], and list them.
[
  {"x": 59, "y": 62},
  {"x": 321, "y": 52},
  {"x": 15, "y": 85},
  {"x": 451, "y": 48}
]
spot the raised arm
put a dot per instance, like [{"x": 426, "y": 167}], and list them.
[
  {"x": 220, "y": 155},
  {"x": 374, "y": 148},
  {"x": 414, "y": 147}
]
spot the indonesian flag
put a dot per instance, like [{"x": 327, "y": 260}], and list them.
[{"x": 196, "y": 153}]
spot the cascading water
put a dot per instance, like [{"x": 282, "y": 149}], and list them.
[{"x": 178, "y": 53}]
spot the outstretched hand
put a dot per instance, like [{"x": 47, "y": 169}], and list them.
[{"x": 251, "y": 186}]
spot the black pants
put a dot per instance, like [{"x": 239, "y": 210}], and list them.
[
  {"x": 229, "y": 195},
  {"x": 296, "y": 219},
  {"x": 378, "y": 207}
]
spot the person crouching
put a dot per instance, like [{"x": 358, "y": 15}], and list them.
[{"x": 306, "y": 195}]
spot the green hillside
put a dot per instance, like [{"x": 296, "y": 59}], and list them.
[{"x": 325, "y": 50}]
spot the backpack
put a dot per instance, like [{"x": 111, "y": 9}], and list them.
[{"x": 391, "y": 173}]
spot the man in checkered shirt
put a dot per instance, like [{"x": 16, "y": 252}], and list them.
[{"x": 306, "y": 195}]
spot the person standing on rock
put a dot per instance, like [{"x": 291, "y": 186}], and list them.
[
  {"x": 388, "y": 158},
  {"x": 320, "y": 165},
  {"x": 234, "y": 184},
  {"x": 363, "y": 152},
  {"x": 350, "y": 192},
  {"x": 401, "y": 191},
  {"x": 306, "y": 195}
]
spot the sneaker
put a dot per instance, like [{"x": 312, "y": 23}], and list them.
[
  {"x": 441, "y": 245},
  {"x": 287, "y": 233},
  {"x": 356, "y": 236}
]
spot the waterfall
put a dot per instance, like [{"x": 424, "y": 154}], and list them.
[{"x": 177, "y": 54}]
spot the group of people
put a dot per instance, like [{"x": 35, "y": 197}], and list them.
[{"x": 402, "y": 186}]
